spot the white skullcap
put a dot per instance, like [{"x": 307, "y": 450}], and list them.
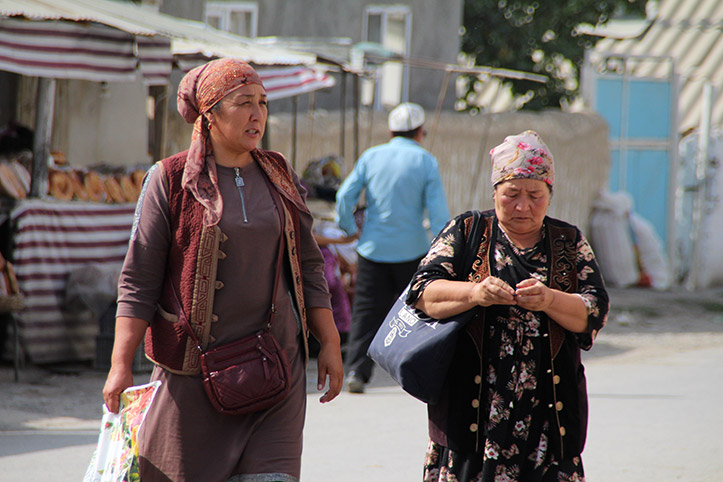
[{"x": 406, "y": 117}]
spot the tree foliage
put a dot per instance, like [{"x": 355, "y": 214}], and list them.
[{"x": 538, "y": 36}]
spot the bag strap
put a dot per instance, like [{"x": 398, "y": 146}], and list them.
[
  {"x": 475, "y": 237},
  {"x": 178, "y": 306}
]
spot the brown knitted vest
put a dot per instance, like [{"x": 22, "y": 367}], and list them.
[{"x": 193, "y": 261}]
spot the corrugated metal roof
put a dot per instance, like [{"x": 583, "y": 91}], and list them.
[
  {"x": 138, "y": 20},
  {"x": 690, "y": 33}
]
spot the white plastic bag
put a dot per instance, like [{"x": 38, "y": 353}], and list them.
[
  {"x": 116, "y": 456},
  {"x": 651, "y": 253},
  {"x": 610, "y": 236}
]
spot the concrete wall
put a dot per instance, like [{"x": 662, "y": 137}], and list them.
[
  {"x": 190, "y": 9},
  {"x": 435, "y": 36},
  {"x": 461, "y": 143},
  {"x": 94, "y": 123}
]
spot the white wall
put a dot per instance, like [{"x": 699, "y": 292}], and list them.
[{"x": 94, "y": 123}]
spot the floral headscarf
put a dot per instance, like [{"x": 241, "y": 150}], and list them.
[
  {"x": 524, "y": 156},
  {"x": 198, "y": 92}
]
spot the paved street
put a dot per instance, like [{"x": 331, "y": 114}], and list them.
[{"x": 655, "y": 395}]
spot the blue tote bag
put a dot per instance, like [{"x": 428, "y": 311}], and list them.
[{"x": 417, "y": 350}]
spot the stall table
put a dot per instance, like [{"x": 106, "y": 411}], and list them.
[{"x": 51, "y": 239}]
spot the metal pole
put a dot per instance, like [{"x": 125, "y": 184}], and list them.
[
  {"x": 438, "y": 110},
  {"x": 43, "y": 135},
  {"x": 357, "y": 100},
  {"x": 294, "y": 112},
  {"x": 371, "y": 113},
  {"x": 342, "y": 131},
  {"x": 311, "y": 113}
]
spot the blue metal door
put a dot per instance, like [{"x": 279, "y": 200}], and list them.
[{"x": 640, "y": 114}]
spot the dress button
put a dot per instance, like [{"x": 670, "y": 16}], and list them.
[
  {"x": 558, "y": 406},
  {"x": 549, "y": 406},
  {"x": 473, "y": 427},
  {"x": 556, "y": 379},
  {"x": 563, "y": 431},
  {"x": 475, "y": 403},
  {"x": 219, "y": 285},
  {"x": 549, "y": 371},
  {"x": 477, "y": 379},
  {"x": 214, "y": 318}
]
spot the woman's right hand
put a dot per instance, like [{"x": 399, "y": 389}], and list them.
[
  {"x": 119, "y": 378},
  {"x": 492, "y": 291}
]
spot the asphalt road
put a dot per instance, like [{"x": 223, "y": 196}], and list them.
[{"x": 654, "y": 383}]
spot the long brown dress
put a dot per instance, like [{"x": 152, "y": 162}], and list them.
[{"x": 183, "y": 438}]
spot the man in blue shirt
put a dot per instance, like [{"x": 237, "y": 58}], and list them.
[{"x": 402, "y": 186}]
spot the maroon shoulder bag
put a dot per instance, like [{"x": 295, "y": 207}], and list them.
[{"x": 250, "y": 374}]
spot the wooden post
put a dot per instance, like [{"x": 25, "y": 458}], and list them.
[
  {"x": 43, "y": 134},
  {"x": 160, "y": 117}
]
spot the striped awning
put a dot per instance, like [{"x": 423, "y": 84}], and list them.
[
  {"x": 107, "y": 40},
  {"x": 72, "y": 50},
  {"x": 283, "y": 82},
  {"x": 52, "y": 240},
  {"x": 279, "y": 82}
]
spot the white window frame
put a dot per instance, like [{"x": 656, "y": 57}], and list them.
[
  {"x": 223, "y": 11},
  {"x": 385, "y": 11}
]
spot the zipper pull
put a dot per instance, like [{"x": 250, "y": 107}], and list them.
[{"x": 240, "y": 186}]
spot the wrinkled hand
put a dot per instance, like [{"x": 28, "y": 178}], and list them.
[
  {"x": 330, "y": 366},
  {"x": 493, "y": 291},
  {"x": 118, "y": 380},
  {"x": 533, "y": 295}
]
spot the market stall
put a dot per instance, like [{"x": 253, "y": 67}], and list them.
[{"x": 56, "y": 227}]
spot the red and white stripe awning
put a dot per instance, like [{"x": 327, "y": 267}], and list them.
[
  {"x": 283, "y": 82},
  {"x": 67, "y": 50},
  {"x": 279, "y": 82},
  {"x": 111, "y": 41}
]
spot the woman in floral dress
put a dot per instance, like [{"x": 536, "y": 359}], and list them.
[{"x": 515, "y": 404}]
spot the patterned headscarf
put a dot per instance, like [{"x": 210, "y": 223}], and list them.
[
  {"x": 201, "y": 89},
  {"x": 523, "y": 156}
]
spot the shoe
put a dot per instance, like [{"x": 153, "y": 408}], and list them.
[{"x": 354, "y": 384}]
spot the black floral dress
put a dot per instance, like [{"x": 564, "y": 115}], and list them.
[{"x": 517, "y": 427}]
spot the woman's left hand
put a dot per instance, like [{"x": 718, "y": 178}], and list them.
[
  {"x": 330, "y": 366},
  {"x": 531, "y": 294}
]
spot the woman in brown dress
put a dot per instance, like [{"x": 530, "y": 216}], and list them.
[
  {"x": 208, "y": 226},
  {"x": 515, "y": 406}
]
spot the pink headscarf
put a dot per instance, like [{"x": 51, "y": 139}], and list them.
[
  {"x": 523, "y": 156},
  {"x": 198, "y": 92}
]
